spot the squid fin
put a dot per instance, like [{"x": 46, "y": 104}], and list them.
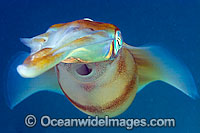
[
  {"x": 155, "y": 63},
  {"x": 18, "y": 88}
]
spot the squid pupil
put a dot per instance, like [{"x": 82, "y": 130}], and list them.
[{"x": 118, "y": 42}]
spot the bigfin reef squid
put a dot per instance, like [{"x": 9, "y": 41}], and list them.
[{"x": 90, "y": 64}]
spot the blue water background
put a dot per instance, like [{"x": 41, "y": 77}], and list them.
[{"x": 174, "y": 24}]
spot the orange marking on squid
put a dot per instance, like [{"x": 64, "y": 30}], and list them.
[{"x": 41, "y": 58}]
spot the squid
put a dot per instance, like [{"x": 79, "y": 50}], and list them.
[{"x": 90, "y": 64}]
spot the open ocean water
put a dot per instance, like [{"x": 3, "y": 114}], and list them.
[{"x": 174, "y": 24}]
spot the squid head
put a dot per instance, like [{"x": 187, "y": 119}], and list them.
[{"x": 81, "y": 41}]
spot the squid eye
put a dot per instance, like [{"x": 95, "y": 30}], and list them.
[{"x": 118, "y": 42}]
